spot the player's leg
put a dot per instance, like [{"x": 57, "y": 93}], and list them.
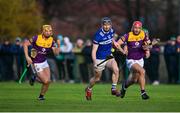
[
  {"x": 115, "y": 75},
  {"x": 138, "y": 68},
  {"x": 93, "y": 81},
  {"x": 33, "y": 75},
  {"x": 98, "y": 72},
  {"x": 133, "y": 78},
  {"x": 95, "y": 78},
  {"x": 44, "y": 76},
  {"x": 141, "y": 81}
]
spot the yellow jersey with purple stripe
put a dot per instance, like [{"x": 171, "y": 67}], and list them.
[
  {"x": 40, "y": 48},
  {"x": 134, "y": 44}
]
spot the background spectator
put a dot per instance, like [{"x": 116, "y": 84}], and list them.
[
  {"x": 178, "y": 56},
  {"x": 7, "y": 60},
  {"x": 88, "y": 61},
  {"x": 18, "y": 57},
  {"x": 171, "y": 60},
  {"x": 60, "y": 59},
  {"x": 79, "y": 60},
  {"x": 152, "y": 64},
  {"x": 67, "y": 65}
]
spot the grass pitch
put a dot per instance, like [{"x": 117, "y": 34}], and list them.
[{"x": 70, "y": 97}]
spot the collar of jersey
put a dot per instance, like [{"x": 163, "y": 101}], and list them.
[
  {"x": 105, "y": 31},
  {"x": 44, "y": 43}
]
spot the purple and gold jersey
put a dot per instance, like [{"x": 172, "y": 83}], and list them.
[
  {"x": 40, "y": 48},
  {"x": 134, "y": 44}
]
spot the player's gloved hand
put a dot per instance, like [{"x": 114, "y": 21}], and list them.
[
  {"x": 95, "y": 66},
  {"x": 116, "y": 45},
  {"x": 29, "y": 61},
  {"x": 146, "y": 47},
  {"x": 147, "y": 54},
  {"x": 125, "y": 52}
]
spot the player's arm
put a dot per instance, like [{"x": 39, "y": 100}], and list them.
[
  {"x": 125, "y": 50},
  {"x": 95, "y": 47},
  {"x": 114, "y": 43},
  {"x": 56, "y": 49},
  {"x": 28, "y": 58},
  {"x": 94, "y": 50},
  {"x": 147, "y": 42},
  {"x": 121, "y": 41}
]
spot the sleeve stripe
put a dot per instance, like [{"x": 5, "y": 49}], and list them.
[
  {"x": 95, "y": 42},
  {"x": 123, "y": 38}
]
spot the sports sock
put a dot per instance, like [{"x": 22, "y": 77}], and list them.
[
  {"x": 114, "y": 86},
  {"x": 142, "y": 92},
  {"x": 89, "y": 88}
]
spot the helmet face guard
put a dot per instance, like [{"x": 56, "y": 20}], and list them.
[
  {"x": 47, "y": 30},
  {"x": 136, "y": 27},
  {"x": 106, "y": 20},
  {"x": 137, "y": 24}
]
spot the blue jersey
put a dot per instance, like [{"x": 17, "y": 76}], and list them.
[{"x": 104, "y": 40}]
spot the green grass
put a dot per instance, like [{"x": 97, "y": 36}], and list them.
[{"x": 70, "y": 97}]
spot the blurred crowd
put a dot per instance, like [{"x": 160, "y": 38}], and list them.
[
  {"x": 74, "y": 63},
  {"x": 171, "y": 54}
]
